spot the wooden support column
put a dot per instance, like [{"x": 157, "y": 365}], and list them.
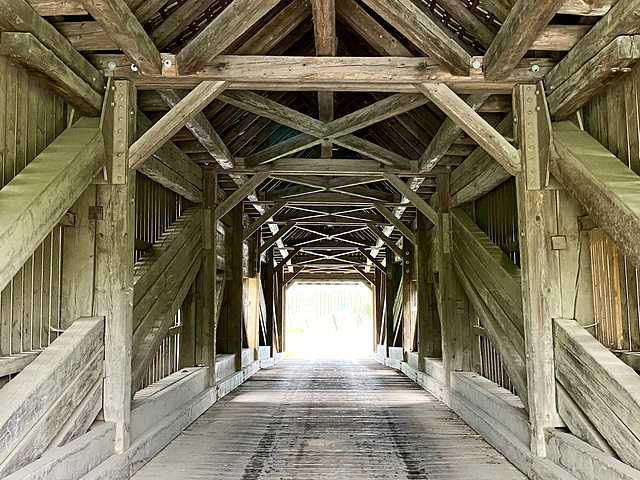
[
  {"x": 268, "y": 297},
  {"x": 206, "y": 320},
  {"x": 188, "y": 336},
  {"x": 235, "y": 319},
  {"x": 279, "y": 307},
  {"x": 541, "y": 294},
  {"x": 379, "y": 306},
  {"x": 454, "y": 304},
  {"x": 390, "y": 292},
  {"x": 115, "y": 241},
  {"x": 428, "y": 323},
  {"x": 408, "y": 324}
]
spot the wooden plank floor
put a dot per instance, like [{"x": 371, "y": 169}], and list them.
[{"x": 329, "y": 419}]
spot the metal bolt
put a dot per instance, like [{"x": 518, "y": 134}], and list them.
[
  {"x": 134, "y": 67},
  {"x": 625, "y": 70},
  {"x": 111, "y": 65},
  {"x": 476, "y": 64},
  {"x": 168, "y": 63},
  {"x": 535, "y": 68},
  {"x": 615, "y": 70}
]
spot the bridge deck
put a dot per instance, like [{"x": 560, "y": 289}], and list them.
[{"x": 329, "y": 419}]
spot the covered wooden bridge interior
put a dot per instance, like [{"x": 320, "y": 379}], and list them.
[{"x": 170, "y": 168}]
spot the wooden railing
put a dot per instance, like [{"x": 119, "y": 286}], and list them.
[{"x": 55, "y": 398}]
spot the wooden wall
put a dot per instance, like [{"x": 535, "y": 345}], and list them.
[
  {"x": 613, "y": 118},
  {"x": 496, "y": 213},
  {"x": 31, "y": 117}
]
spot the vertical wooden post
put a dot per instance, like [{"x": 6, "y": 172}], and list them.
[
  {"x": 279, "y": 304},
  {"x": 537, "y": 216},
  {"x": 408, "y": 326},
  {"x": 188, "y": 336},
  {"x": 268, "y": 298},
  {"x": 390, "y": 292},
  {"x": 429, "y": 336},
  {"x": 454, "y": 309},
  {"x": 235, "y": 320},
  {"x": 115, "y": 243},
  {"x": 207, "y": 288},
  {"x": 378, "y": 308}
]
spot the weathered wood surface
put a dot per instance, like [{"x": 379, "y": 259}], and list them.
[
  {"x": 170, "y": 167},
  {"x": 423, "y": 29},
  {"x": 123, "y": 27},
  {"x": 607, "y": 390},
  {"x": 19, "y": 16},
  {"x": 26, "y": 51},
  {"x": 621, "y": 19},
  {"x": 173, "y": 121},
  {"x": 38, "y": 402},
  {"x": 296, "y": 73},
  {"x": 594, "y": 76},
  {"x": 472, "y": 123},
  {"x": 605, "y": 186},
  {"x": 300, "y": 434},
  {"x": 162, "y": 279},
  {"x": 221, "y": 33},
  {"x": 516, "y": 35},
  {"x": 44, "y": 191}
]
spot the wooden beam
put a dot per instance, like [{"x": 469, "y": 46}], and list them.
[
  {"x": 39, "y": 196},
  {"x": 19, "y": 16},
  {"x": 173, "y": 121},
  {"x": 425, "y": 32},
  {"x": 603, "y": 184},
  {"x": 523, "y": 25},
  {"x": 240, "y": 194},
  {"x": 370, "y": 29},
  {"x": 264, "y": 218},
  {"x": 395, "y": 221},
  {"x": 305, "y": 73},
  {"x": 285, "y": 22},
  {"x": 479, "y": 173},
  {"x": 446, "y": 136},
  {"x": 123, "y": 27},
  {"x": 605, "y": 388},
  {"x": 375, "y": 262},
  {"x": 429, "y": 330},
  {"x": 469, "y": 21},
  {"x": 114, "y": 256},
  {"x": 472, "y": 123},
  {"x": 331, "y": 167},
  {"x": 541, "y": 285},
  {"x": 235, "y": 315},
  {"x": 593, "y": 77},
  {"x": 201, "y": 128},
  {"x": 324, "y": 21},
  {"x": 377, "y": 112},
  {"x": 387, "y": 241},
  {"x": 65, "y": 371},
  {"x": 288, "y": 258},
  {"x": 405, "y": 190},
  {"x": 26, "y": 51},
  {"x": 277, "y": 237},
  {"x": 222, "y": 32},
  {"x": 620, "y": 20},
  {"x": 178, "y": 20},
  {"x": 338, "y": 131},
  {"x": 170, "y": 167}
]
